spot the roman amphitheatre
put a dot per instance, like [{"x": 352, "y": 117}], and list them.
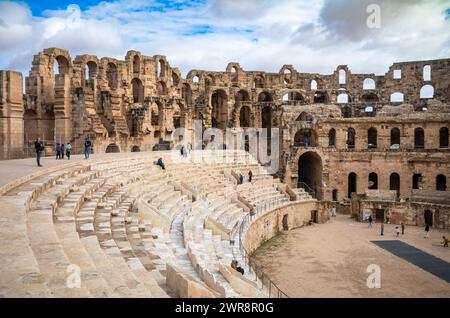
[{"x": 117, "y": 225}]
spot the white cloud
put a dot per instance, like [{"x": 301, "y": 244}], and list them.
[{"x": 314, "y": 36}]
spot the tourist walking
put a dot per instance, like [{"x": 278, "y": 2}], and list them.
[
  {"x": 58, "y": 150},
  {"x": 250, "y": 176},
  {"x": 427, "y": 230},
  {"x": 38, "y": 147},
  {"x": 241, "y": 178},
  {"x": 397, "y": 231},
  {"x": 403, "y": 228},
  {"x": 370, "y": 222},
  {"x": 445, "y": 241},
  {"x": 87, "y": 148},
  {"x": 333, "y": 211},
  {"x": 68, "y": 150},
  {"x": 62, "y": 151},
  {"x": 160, "y": 163},
  {"x": 382, "y": 229}
]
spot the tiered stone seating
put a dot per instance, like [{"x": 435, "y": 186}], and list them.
[{"x": 132, "y": 229}]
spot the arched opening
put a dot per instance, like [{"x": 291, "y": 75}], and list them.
[
  {"x": 342, "y": 77},
  {"x": 394, "y": 182},
  {"x": 209, "y": 80},
  {"x": 313, "y": 85},
  {"x": 234, "y": 74},
  {"x": 427, "y": 92},
  {"x": 320, "y": 97},
  {"x": 295, "y": 96},
  {"x": 61, "y": 66},
  {"x": 265, "y": 97},
  {"x": 136, "y": 64},
  {"x": 138, "y": 90},
  {"x": 351, "y": 138},
  {"x": 161, "y": 88},
  {"x": 441, "y": 183},
  {"x": 351, "y": 184},
  {"x": 419, "y": 138},
  {"x": 427, "y": 73},
  {"x": 161, "y": 69},
  {"x": 266, "y": 121},
  {"x": 428, "y": 217},
  {"x": 395, "y": 138},
  {"x": 368, "y": 84},
  {"x": 332, "y": 138},
  {"x": 305, "y": 138},
  {"x": 373, "y": 181},
  {"x": 416, "y": 180},
  {"x": 186, "y": 94},
  {"x": 342, "y": 99},
  {"x": 369, "y": 98},
  {"x": 175, "y": 79},
  {"x": 91, "y": 70},
  {"x": 306, "y": 117},
  {"x": 242, "y": 96},
  {"x": 219, "y": 114},
  {"x": 196, "y": 79},
  {"x": 346, "y": 112},
  {"x": 112, "y": 148},
  {"x": 135, "y": 149},
  {"x": 258, "y": 82},
  {"x": 111, "y": 74},
  {"x": 372, "y": 138},
  {"x": 443, "y": 137},
  {"x": 310, "y": 172},
  {"x": 397, "y": 98},
  {"x": 244, "y": 117},
  {"x": 334, "y": 195}
]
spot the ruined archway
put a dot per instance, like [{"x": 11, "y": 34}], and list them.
[
  {"x": 135, "y": 149},
  {"x": 244, "y": 117},
  {"x": 138, "y": 90},
  {"x": 112, "y": 148},
  {"x": 219, "y": 114},
  {"x": 428, "y": 217},
  {"x": 310, "y": 172}
]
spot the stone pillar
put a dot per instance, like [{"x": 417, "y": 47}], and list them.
[
  {"x": 63, "y": 109},
  {"x": 11, "y": 115}
]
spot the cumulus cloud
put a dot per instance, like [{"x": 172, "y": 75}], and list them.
[{"x": 314, "y": 36}]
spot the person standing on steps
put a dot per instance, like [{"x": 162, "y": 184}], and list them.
[
  {"x": 370, "y": 222},
  {"x": 250, "y": 176},
  {"x": 382, "y": 229},
  {"x": 38, "y": 147},
  {"x": 68, "y": 150},
  {"x": 87, "y": 148}
]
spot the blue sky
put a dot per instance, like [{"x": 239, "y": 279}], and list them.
[{"x": 313, "y": 36}]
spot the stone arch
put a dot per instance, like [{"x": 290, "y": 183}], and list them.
[
  {"x": 245, "y": 117},
  {"x": 91, "y": 70},
  {"x": 395, "y": 136},
  {"x": 427, "y": 73},
  {"x": 342, "y": 77},
  {"x": 259, "y": 81},
  {"x": 178, "y": 116},
  {"x": 138, "y": 90},
  {"x": 242, "y": 96},
  {"x": 373, "y": 181},
  {"x": 351, "y": 138},
  {"x": 351, "y": 184},
  {"x": 161, "y": 68},
  {"x": 419, "y": 138},
  {"x": 156, "y": 112},
  {"x": 305, "y": 137},
  {"x": 313, "y": 85},
  {"x": 61, "y": 65},
  {"x": 394, "y": 182},
  {"x": 305, "y": 116},
  {"x": 369, "y": 84},
  {"x": 397, "y": 97},
  {"x": 342, "y": 98},
  {"x": 265, "y": 97},
  {"x": 186, "y": 94},
  {"x": 369, "y": 98},
  {"x": 310, "y": 172},
  {"x": 175, "y": 79},
  {"x": 112, "y": 75},
  {"x": 427, "y": 92},
  {"x": 332, "y": 137},
  {"x": 441, "y": 182},
  {"x": 428, "y": 217},
  {"x": 161, "y": 88},
  {"x": 112, "y": 148},
  {"x": 219, "y": 109},
  {"x": 443, "y": 138},
  {"x": 136, "y": 64},
  {"x": 210, "y": 80},
  {"x": 346, "y": 112},
  {"x": 321, "y": 97},
  {"x": 372, "y": 138},
  {"x": 135, "y": 148}
]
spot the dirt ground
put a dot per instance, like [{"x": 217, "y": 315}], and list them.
[{"x": 331, "y": 259}]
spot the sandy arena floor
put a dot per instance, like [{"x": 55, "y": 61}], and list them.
[{"x": 330, "y": 260}]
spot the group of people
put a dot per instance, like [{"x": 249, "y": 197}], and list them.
[
  {"x": 60, "y": 150},
  {"x": 236, "y": 267},
  {"x": 241, "y": 177}
]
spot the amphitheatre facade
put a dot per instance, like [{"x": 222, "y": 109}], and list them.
[{"x": 363, "y": 143}]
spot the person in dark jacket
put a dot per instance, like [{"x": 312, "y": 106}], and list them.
[
  {"x": 160, "y": 163},
  {"x": 38, "y": 147},
  {"x": 58, "y": 150},
  {"x": 370, "y": 222},
  {"x": 427, "y": 230},
  {"x": 87, "y": 148},
  {"x": 62, "y": 151},
  {"x": 241, "y": 179},
  {"x": 250, "y": 176}
]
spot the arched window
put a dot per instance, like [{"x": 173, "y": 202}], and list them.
[
  {"x": 372, "y": 138},
  {"x": 443, "y": 137},
  {"x": 161, "y": 88},
  {"x": 111, "y": 74},
  {"x": 138, "y": 90},
  {"x": 136, "y": 64},
  {"x": 352, "y": 186},
  {"x": 368, "y": 84},
  {"x": 395, "y": 138},
  {"x": 397, "y": 97},
  {"x": 427, "y": 73},
  {"x": 394, "y": 182},
  {"x": 416, "y": 180},
  {"x": 373, "y": 181},
  {"x": 427, "y": 92},
  {"x": 244, "y": 116},
  {"x": 91, "y": 70},
  {"x": 196, "y": 79},
  {"x": 346, "y": 112},
  {"x": 161, "y": 69},
  {"x": 313, "y": 85},
  {"x": 441, "y": 183},
  {"x": 419, "y": 138},
  {"x": 332, "y": 138},
  {"x": 334, "y": 195},
  {"x": 351, "y": 136},
  {"x": 342, "y": 77}
]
